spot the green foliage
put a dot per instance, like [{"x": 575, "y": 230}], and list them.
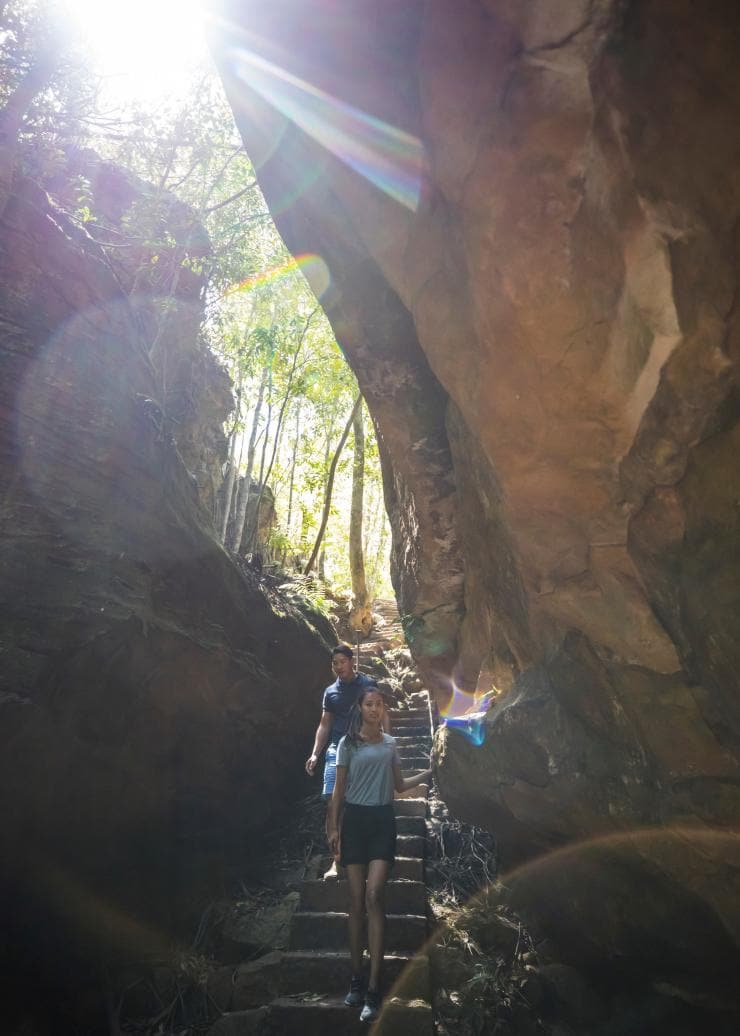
[
  {"x": 198, "y": 209},
  {"x": 45, "y": 82}
]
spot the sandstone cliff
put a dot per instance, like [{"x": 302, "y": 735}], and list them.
[
  {"x": 152, "y": 721},
  {"x": 529, "y": 212}
]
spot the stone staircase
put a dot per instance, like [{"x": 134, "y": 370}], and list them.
[
  {"x": 316, "y": 969},
  {"x": 388, "y": 630}
]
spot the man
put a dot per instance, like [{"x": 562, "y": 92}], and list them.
[{"x": 339, "y": 698}]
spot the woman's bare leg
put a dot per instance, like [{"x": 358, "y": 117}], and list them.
[
  {"x": 377, "y": 875},
  {"x": 356, "y": 876}
]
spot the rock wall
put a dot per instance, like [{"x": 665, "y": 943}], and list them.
[
  {"x": 152, "y": 720},
  {"x": 547, "y": 339}
]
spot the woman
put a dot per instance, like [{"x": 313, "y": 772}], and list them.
[{"x": 368, "y": 773}]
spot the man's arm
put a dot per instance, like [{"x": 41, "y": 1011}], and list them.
[{"x": 322, "y": 736}]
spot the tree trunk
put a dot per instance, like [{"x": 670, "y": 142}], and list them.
[
  {"x": 229, "y": 487},
  {"x": 12, "y": 115},
  {"x": 244, "y": 496},
  {"x": 231, "y": 473},
  {"x": 265, "y": 475},
  {"x": 379, "y": 554},
  {"x": 330, "y": 487},
  {"x": 291, "y": 482},
  {"x": 251, "y": 534},
  {"x": 360, "y": 614}
]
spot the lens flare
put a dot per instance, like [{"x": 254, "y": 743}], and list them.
[
  {"x": 463, "y": 713},
  {"x": 97, "y": 917},
  {"x": 312, "y": 266},
  {"x": 87, "y": 416},
  {"x": 473, "y": 727},
  {"x": 388, "y": 157},
  {"x": 594, "y": 872}
]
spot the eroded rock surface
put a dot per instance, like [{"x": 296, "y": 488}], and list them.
[
  {"x": 151, "y": 720},
  {"x": 548, "y": 345}
]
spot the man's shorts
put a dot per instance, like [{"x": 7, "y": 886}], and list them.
[
  {"x": 330, "y": 770},
  {"x": 368, "y": 833}
]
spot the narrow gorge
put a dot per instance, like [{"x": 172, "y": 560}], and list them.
[
  {"x": 527, "y": 219},
  {"x": 534, "y": 275}
]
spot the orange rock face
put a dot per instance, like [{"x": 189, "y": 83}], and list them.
[{"x": 546, "y": 333}]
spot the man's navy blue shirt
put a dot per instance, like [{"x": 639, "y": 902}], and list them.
[{"x": 339, "y": 699}]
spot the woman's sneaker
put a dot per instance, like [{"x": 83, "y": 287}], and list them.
[
  {"x": 356, "y": 992},
  {"x": 371, "y": 1010}
]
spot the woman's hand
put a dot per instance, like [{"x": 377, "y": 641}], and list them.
[{"x": 333, "y": 838}]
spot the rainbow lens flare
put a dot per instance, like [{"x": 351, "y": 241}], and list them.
[
  {"x": 472, "y": 726},
  {"x": 312, "y": 266},
  {"x": 388, "y": 157},
  {"x": 464, "y": 714}
]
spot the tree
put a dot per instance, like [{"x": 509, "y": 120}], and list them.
[
  {"x": 330, "y": 486},
  {"x": 289, "y": 388},
  {"x": 262, "y": 322},
  {"x": 43, "y": 88},
  {"x": 293, "y": 459},
  {"x": 360, "y": 615},
  {"x": 241, "y": 512}
]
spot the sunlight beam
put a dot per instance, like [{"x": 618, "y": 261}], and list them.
[
  {"x": 391, "y": 159},
  {"x": 144, "y": 49}
]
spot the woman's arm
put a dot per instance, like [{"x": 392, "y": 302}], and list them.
[
  {"x": 335, "y": 810},
  {"x": 404, "y": 783}
]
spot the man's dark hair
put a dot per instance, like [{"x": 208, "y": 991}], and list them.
[{"x": 343, "y": 649}]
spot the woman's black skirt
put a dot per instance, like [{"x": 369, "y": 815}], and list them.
[{"x": 368, "y": 833}]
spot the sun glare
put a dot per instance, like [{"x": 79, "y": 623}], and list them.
[{"x": 143, "y": 49}]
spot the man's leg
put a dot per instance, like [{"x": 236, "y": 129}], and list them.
[
  {"x": 330, "y": 776},
  {"x": 335, "y": 872}
]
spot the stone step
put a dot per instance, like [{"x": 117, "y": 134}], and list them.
[
  {"x": 420, "y": 742},
  {"x": 410, "y": 731},
  {"x": 401, "y": 897},
  {"x": 283, "y": 973},
  {"x": 410, "y": 868},
  {"x": 420, "y": 791},
  {"x": 410, "y": 719},
  {"x": 412, "y": 750},
  {"x": 329, "y": 972},
  {"x": 328, "y": 931},
  {"x": 330, "y": 1017},
  {"x": 406, "y": 868},
  {"x": 411, "y": 845},
  {"x": 412, "y": 764},
  {"x": 411, "y": 826},
  {"x": 411, "y": 805},
  {"x": 415, "y": 711}
]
